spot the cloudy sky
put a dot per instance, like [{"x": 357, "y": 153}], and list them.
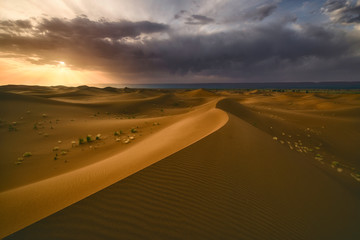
[{"x": 52, "y": 42}]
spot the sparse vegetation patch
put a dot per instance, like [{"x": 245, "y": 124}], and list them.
[
  {"x": 81, "y": 141},
  {"x": 98, "y": 137},
  {"x": 27, "y": 154},
  {"x": 12, "y": 128}
]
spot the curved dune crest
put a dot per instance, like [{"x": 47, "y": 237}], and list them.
[
  {"x": 236, "y": 183},
  {"x": 50, "y": 195},
  {"x": 275, "y": 166}
]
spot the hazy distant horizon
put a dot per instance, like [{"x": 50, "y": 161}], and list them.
[{"x": 245, "y": 85}]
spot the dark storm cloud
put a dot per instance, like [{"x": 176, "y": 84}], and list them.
[
  {"x": 193, "y": 19},
  {"x": 268, "y": 48},
  {"x": 272, "y": 51},
  {"x": 179, "y": 14},
  {"x": 261, "y": 12},
  {"x": 352, "y": 15},
  {"x": 84, "y": 27},
  {"x": 198, "y": 20},
  {"x": 343, "y": 11},
  {"x": 333, "y": 5},
  {"x": 51, "y": 39},
  {"x": 255, "y": 13},
  {"x": 18, "y": 24}
]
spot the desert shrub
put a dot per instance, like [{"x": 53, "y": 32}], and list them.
[
  {"x": 118, "y": 133},
  {"x": 12, "y": 128},
  {"x": 27, "y": 154},
  {"x": 19, "y": 161},
  {"x": 98, "y": 136},
  {"x": 335, "y": 164},
  {"x": 133, "y": 130},
  {"x": 81, "y": 141},
  {"x": 88, "y": 138}
]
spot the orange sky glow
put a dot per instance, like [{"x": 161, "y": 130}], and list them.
[{"x": 16, "y": 71}]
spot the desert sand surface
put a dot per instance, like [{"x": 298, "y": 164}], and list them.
[{"x": 178, "y": 164}]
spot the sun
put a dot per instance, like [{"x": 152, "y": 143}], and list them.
[{"x": 62, "y": 64}]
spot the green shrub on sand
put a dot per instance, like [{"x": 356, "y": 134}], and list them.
[
  {"x": 98, "y": 137},
  {"x": 27, "y": 154}
]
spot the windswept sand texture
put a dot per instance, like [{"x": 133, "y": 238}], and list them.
[{"x": 234, "y": 165}]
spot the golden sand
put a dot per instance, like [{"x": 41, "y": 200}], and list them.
[{"x": 243, "y": 165}]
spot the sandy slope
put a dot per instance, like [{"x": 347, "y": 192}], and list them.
[
  {"x": 268, "y": 173},
  {"x": 44, "y": 123},
  {"x": 50, "y": 195},
  {"x": 237, "y": 183},
  {"x": 54, "y": 193}
]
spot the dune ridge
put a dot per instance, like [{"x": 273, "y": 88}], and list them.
[
  {"x": 228, "y": 185},
  {"x": 42, "y": 198},
  {"x": 35, "y": 121},
  {"x": 234, "y": 165}
]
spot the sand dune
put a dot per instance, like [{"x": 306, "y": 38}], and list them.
[
  {"x": 200, "y": 93},
  {"x": 41, "y": 122},
  {"x": 258, "y": 166},
  {"x": 43, "y": 197}
]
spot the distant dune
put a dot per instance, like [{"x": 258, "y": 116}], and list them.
[
  {"x": 200, "y": 93},
  {"x": 175, "y": 164}
]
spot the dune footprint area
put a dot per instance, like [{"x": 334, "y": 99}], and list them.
[{"x": 120, "y": 163}]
